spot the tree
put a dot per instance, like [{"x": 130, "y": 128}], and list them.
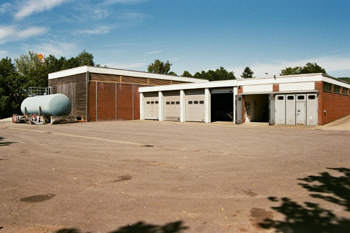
[
  {"x": 186, "y": 74},
  {"x": 85, "y": 59},
  {"x": 346, "y": 79},
  {"x": 218, "y": 74},
  {"x": 159, "y": 67},
  {"x": 28, "y": 63},
  {"x": 310, "y": 67},
  {"x": 247, "y": 73}
]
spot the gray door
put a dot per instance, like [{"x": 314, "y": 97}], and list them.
[
  {"x": 280, "y": 109},
  {"x": 271, "y": 109},
  {"x": 290, "y": 109},
  {"x": 151, "y": 106},
  {"x": 239, "y": 109},
  {"x": 194, "y": 105},
  {"x": 301, "y": 109},
  {"x": 312, "y": 109}
]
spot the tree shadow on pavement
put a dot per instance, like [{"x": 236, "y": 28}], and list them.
[
  {"x": 5, "y": 143},
  {"x": 141, "y": 227},
  {"x": 309, "y": 216}
]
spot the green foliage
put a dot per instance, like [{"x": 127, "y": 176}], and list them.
[
  {"x": 159, "y": 67},
  {"x": 346, "y": 79},
  {"x": 310, "y": 67},
  {"x": 218, "y": 74},
  {"x": 186, "y": 74},
  {"x": 247, "y": 73}
]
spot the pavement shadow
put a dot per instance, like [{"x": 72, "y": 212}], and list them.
[
  {"x": 312, "y": 217},
  {"x": 5, "y": 143},
  {"x": 140, "y": 227}
]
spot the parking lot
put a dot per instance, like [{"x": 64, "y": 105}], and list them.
[{"x": 147, "y": 176}]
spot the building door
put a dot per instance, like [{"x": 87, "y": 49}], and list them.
[
  {"x": 151, "y": 106},
  {"x": 280, "y": 110},
  {"x": 312, "y": 109},
  {"x": 194, "y": 105},
  {"x": 239, "y": 109},
  {"x": 290, "y": 109},
  {"x": 301, "y": 109},
  {"x": 171, "y": 104}
]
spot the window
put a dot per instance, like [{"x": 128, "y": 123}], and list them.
[
  {"x": 311, "y": 97},
  {"x": 337, "y": 89},
  {"x": 172, "y": 102},
  {"x": 167, "y": 103},
  {"x": 156, "y": 102},
  {"x": 327, "y": 87},
  {"x": 189, "y": 102},
  {"x": 280, "y": 97},
  {"x": 152, "y": 102},
  {"x": 345, "y": 91},
  {"x": 201, "y": 102},
  {"x": 195, "y": 102},
  {"x": 290, "y": 97},
  {"x": 301, "y": 97},
  {"x": 177, "y": 102},
  {"x": 148, "y": 102}
]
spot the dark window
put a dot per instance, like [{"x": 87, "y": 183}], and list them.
[
  {"x": 337, "y": 89},
  {"x": 290, "y": 97},
  {"x": 189, "y": 102},
  {"x": 327, "y": 87},
  {"x": 201, "y": 102},
  {"x": 172, "y": 102},
  {"x": 301, "y": 97},
  {"x": 311, "y": 97},
  {"x": 195, "y": 102},
  {"x": 148, "y": 102},
  {"x": 345, "y": 91},
  {"x": 156, "y": 102},
  {"x": 177, "y": 102},
  {"x": 168, "y": 103},
  {"x": 280, "y": 97},
  {"x": 152, "y": 102}
]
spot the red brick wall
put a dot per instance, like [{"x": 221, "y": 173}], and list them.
[
  {"x": 335, "y": 105},
  {"x": 92, "y": 101},
  {"x": 136, "y": 103},
  {"x": 124, "y": 102},
  {"x": 105, "y": 101},
  {"x": 276, "y": 87}
]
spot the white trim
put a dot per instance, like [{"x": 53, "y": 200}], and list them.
[{"x": 131, "y": 73}]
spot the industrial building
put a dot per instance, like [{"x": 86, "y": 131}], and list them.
[
  {"x": 112, "y": 94},
  {"x": 98, "y": 93}
]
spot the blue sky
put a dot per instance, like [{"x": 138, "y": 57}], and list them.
[{"x": 194, "y": 35}]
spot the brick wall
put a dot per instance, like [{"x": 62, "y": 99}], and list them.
[{"x": 331, "y": 106}]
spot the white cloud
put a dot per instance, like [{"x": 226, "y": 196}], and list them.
[
  {"x": 12, "y": 33},
  {"x": 34, "y": 6},
  {"x": 55, "y": 48},
  {"x": 109, "y": 2},
  {"x": 6, "y": 7},
  {"x": 331, "y": 64},
  {"x": 100, "y": 14},
  {"x": 97, "y": 30},
  {"x": 155, "y": 52}
]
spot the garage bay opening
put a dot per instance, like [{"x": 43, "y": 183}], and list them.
[
  {"x": 256, "y": 108},
  {"x": 221, "y": 105}
]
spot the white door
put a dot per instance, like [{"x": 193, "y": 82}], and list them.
[
  {"x": 151, "y": 106},
  {"x": 301, "y": 109},
  {"x": 171, "y": 105},
  {"x": 194, "y": 106},
  {"x": 312, "y": 109},
  {"x": 290, "y": 109},
  {"x": 280, "y": 110}
]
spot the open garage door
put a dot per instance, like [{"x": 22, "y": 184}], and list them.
[
  {"x": 171, "y": 104},
  {"x": 257, "y": 108},
  {"x": 151, "y": 106},
  {"x": 222, "y": 104},
  {"x": 194, "y": 105}
]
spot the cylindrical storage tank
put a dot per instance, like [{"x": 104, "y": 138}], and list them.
[{"x": 51, "y": 105}]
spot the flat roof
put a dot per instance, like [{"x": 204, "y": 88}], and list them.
[{"x": 114, "y": 71}]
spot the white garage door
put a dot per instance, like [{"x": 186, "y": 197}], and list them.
[
  {"x": 171, "y": 105},
  {"x": 151, "y": 106},
  {"x": 194, "y": 105}
]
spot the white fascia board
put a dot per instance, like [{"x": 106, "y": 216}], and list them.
[
  {"x": 188, "y": 86},
  {"x": 336, "y": 82},
  {"x": 112, "y": 71}
]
